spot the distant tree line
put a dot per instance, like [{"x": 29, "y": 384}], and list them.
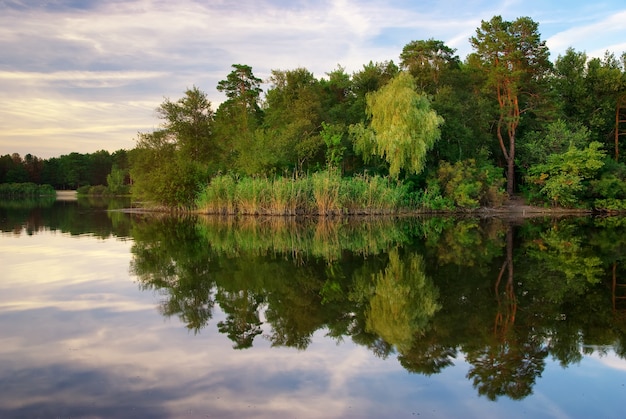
[{"x": 69, "y": 171}]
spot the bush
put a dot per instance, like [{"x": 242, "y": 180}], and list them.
[
  {"x": 564, "y": 179},
  {"x": 610, "y": 204},
  {"x": 470, "y": 185}
]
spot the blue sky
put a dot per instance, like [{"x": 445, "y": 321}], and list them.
[{"x": 87, "y": 75}]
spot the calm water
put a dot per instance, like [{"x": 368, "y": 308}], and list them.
[{"x": 107, "y": 314}]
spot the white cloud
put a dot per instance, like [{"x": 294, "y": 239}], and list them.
[
  {"x": 587, "y": 37},
  {"x": 140, "y": 51}
]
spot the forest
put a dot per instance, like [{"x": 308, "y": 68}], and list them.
[{"x": 432, "y": 132}]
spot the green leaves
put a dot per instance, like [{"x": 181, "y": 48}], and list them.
[
  {"x": 561, "y": 178},
  {"x": 169, "y": 165},
  {"x": 403, "y": 127}
]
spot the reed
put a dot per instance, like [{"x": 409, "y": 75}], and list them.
[
  {"x": 218, "y": 197},
  {"x": 326, "y": 187},
  {"x": 323, "y": 193},
  {"x": 251, "y": 196},
  {"x": 287, "y": 198}
]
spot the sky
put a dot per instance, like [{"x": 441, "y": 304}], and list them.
[{"x": 87, "y": 75}]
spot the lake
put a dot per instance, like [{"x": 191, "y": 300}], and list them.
[{"x": 105, "y": 313}]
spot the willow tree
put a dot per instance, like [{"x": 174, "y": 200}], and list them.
[
  {"x": 403, "y": 127},
  {"x": 514, "y": 59}
]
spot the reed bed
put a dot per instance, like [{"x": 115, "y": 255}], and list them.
[
  {"x": 27, "y": 189},
  {"x": 322, "y": 193}
]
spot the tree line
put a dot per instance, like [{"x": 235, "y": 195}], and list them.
[
  {"x": 70, "y": 171},
  {"x": 454, "y": 132},
  {"x": 434, "y": 122}
]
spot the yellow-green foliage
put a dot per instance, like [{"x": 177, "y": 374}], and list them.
[
  {"x": 404, "y": 302},
  {"x": 403, "y": 126}
]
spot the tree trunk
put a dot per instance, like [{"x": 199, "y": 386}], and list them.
[{"x": 510, "y": 173}]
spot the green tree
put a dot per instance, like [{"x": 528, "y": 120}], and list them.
[
  {"x": 161, "y": 174},
  {"x": 168, "y": 166},
  {"x": 239, "y": 116},
  {"x": 115, "y": 181},
  {"x": 332, "y": 136},
  {"x": 99, "y": 166},
  {"x": 588, "y": 91},
  {"x": 403, "y": 126},
  {"x": 429, "y": 62},
  {"x": 556, "y": 138},
  {"x": 189, "y": 122},
  {"x": 569, "y": 84},
  {"x": 514, "y": 59},
  {"x": 293, "y": 117},
  {"x": 369, "y": 79},
  {"x": 606, "y": 82}
]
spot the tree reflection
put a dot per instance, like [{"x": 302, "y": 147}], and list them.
[
  {"x": 170, "y": 257},
  {"x": 503, "y": 295},
  {"x": 403, "y": 302},
  {"x": 509, "y": 362},
  {"x": 428, "y": 356},
  {"x": 242, "y": 322},
  {"x": 508, "y": 367}
]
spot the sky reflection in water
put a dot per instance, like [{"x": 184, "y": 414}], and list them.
[{"x": 79, "y": 338}]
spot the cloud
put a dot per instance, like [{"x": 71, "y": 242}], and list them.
[
  {"x": 116, "y": 52},
  {"x": 586, "y": 37}
]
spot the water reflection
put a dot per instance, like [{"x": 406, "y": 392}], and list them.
[
  {"x": 86, "y": 215},
  {"x": 368, "y": 317},
  {"x": 503, "y": 296}
]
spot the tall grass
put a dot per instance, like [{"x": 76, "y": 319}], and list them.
[
  {"x": 322, "y": 193},
  {"x": 325, "y": 187},
  {"x": 219, "y": 196}
]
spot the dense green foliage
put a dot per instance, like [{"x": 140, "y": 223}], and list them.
[
  {"x": 403, "y": 128},
  {"x": 434, "y": 122}
]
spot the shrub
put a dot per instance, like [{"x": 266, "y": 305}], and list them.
[
  {"x": 562, "y": 179},
  {"x": 470, "y": 185},
  {"x": 98, "y": 190}
]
